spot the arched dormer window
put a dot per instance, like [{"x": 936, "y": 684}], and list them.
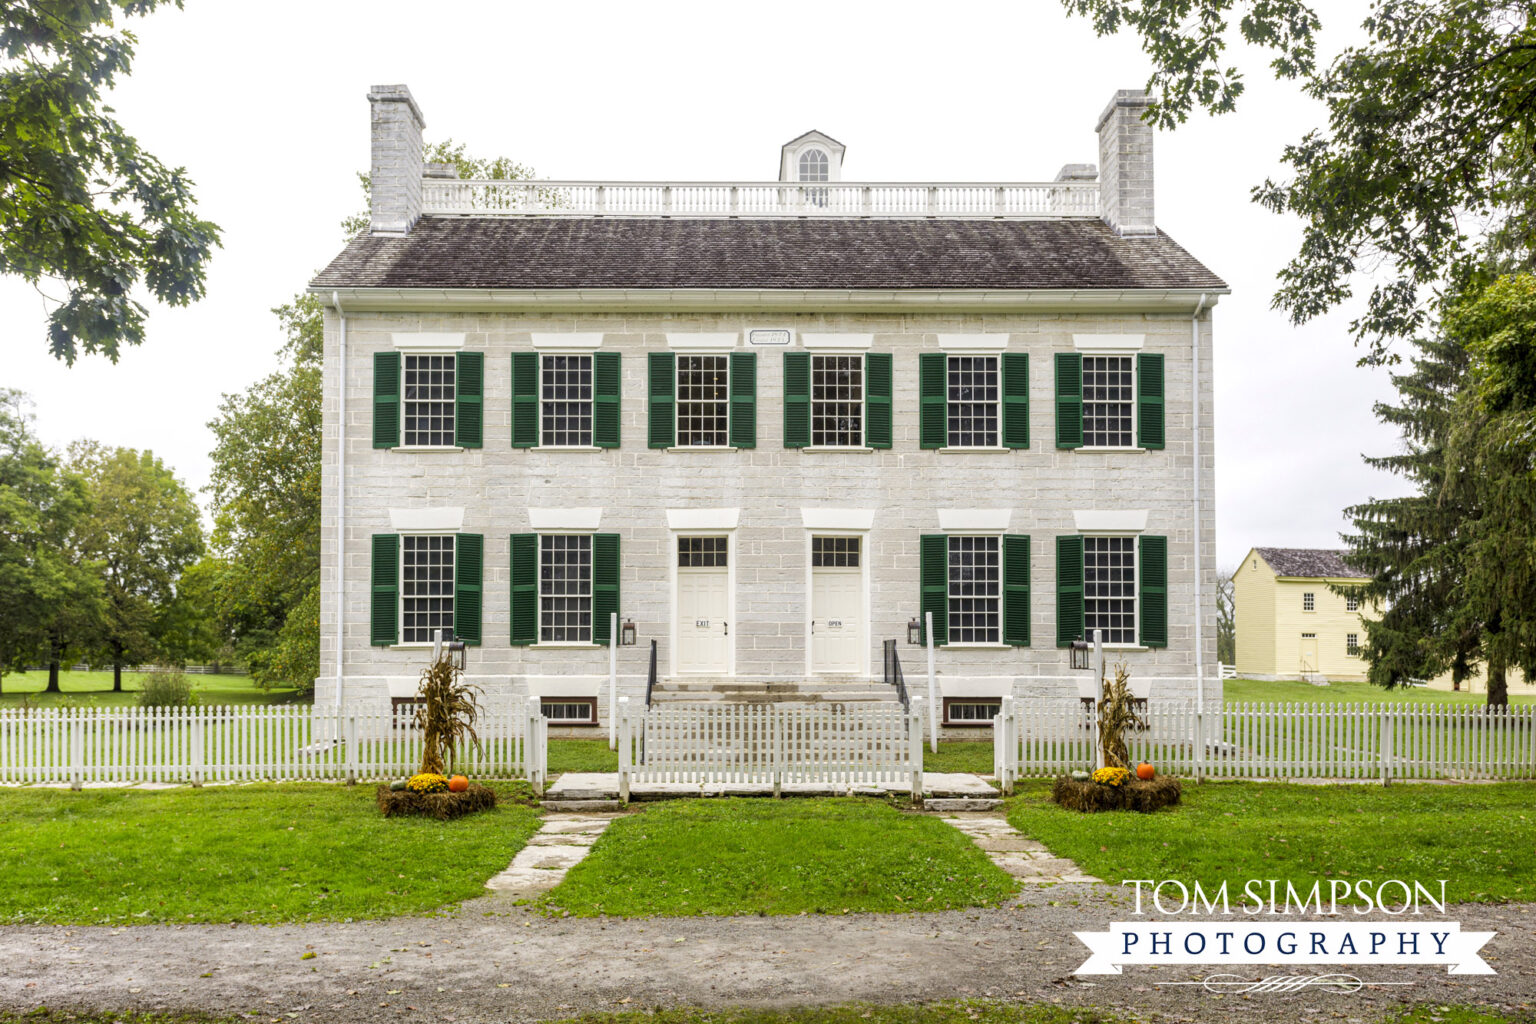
[{"x": 814, "y": 165}]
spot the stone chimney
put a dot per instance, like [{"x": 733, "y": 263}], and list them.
[
  {"x": 395, "y": 165},
  {"x": 1125, "y": 165}
]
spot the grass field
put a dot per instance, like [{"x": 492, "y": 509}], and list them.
[
  {"x": 1338, "y": 693},
  {"x": 723, "y": 857},
  {"x": 582, "y": 756},
  {"x": 88, "y": 689},
  {"x": 973, "y": 756},
  {"x": 255, "y": 854},
  {"x": 1478, "y": 837}
]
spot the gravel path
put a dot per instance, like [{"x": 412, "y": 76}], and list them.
[{"x": 495, "y": 961}]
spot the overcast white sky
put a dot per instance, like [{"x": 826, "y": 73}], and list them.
[{"x": 265, "y": 104}]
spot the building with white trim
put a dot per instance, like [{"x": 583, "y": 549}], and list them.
[{"x": 770, "y": 424}]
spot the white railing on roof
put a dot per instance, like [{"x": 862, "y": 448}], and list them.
[{"x": 907, "y": 200}]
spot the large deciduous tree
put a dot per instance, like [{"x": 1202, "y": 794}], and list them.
[
  {"x": 81, "y": 202},
  {"x": 143, "y": 531}
]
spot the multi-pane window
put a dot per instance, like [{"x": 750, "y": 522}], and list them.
[
  {"x": 1309, "y": 602},
  {"x": 426, "y": 588},
  {"x": 566, "y": 406},
  {"x": 1109, "y": 396},
  {"x": 1352, "y": 644},
  {"x": 974, "y": 393},
  {"x": 975, "y": 590},
  {"x": 835, "y": 552},
  {"x": 971, "y": 712},
  {"x": 565, "y": 588},
  {"x": 1351, "y": 602},
  {"x": 429, "y": 400},
  {"x": 703, "y": 406},
  {"x": 837, "y": 401},
  {"x": 702, "y": 552},
  {"x": 813, "y": 165},
  {"x": 1109, "y": 588},
  {"x": 570, "y": 711}
]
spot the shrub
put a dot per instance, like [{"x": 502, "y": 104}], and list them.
[{"x": 167, "y": 690}]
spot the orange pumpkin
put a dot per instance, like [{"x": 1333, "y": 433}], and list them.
[
  {"x": 459, "y": 784},
  {"x": 1144, "y": 771}
]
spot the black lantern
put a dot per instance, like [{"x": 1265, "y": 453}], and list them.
[
  {"x": 458, "y": 653},
  {"x": 1080, "y": 651},
  {"x": 627, "y": 633},
  {"x": 914, "y": 632}
]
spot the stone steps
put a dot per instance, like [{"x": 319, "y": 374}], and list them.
[{"x": 746, "y": 691}]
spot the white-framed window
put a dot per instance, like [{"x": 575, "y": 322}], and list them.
[
  {"x": 426, "y": 586},
  {"x": 814, "y": 165},
  {"x": 569, "y": 710},
  {"x": 1352, "y": 644},
  {"x": 428, "y": 400},
  {"x": 703, "y": 552},
  {"x": 1351, "y": 602},
  {"x": 565, "y": 588},
  {"x": 975, "y": 401},
  {"x": 703, "y": 401},
  {"x": 1309, "y": 602},
  {"x": 837, "y": 401},
  {"x": 1109, "y": 401},
  {"x": 975, "y": 590},
  {"x": 565, "y": 407},
  {"x": 1309, "y": 636},
  {"x": 1109, "y": 588},
  {"x": 971, "y": 710},
  {"x": 836, "y": 552}
]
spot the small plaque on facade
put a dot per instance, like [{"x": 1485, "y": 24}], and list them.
[{"x": 767, "y": 337}]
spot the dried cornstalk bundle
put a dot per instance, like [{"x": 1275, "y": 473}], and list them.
[
  {"x": 1118, "y": 715},
  {"x": 446, "y": 715}
]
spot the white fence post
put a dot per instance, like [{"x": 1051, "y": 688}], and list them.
[
  {"x": 626, "y": 749},
  {"x": 350, "y": 740},
  {"x": 933, "y": 699},
  {"x": 76, "y": 750},
  {"x": 1200, "y": 741},
  {"x": 197, "y": 747},
  {"x": 915, "y": 743},
  {"x": 613, "y": 677},
  {"x": 535, "y": 744},
  {"x": 1386, "y": 744}
]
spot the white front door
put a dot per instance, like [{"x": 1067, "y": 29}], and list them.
[
  {"x": 837, "y": 605},
  {"x": 703, "y": 606}
]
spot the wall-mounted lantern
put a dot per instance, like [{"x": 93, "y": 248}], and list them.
[
  {"x": 914, "y": 632},
  {"x": 627, "y": 633},
  {"x": 1080, "y": 652}
]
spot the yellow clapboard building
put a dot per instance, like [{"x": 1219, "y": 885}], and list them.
[{"x": 1290, "y": 624}]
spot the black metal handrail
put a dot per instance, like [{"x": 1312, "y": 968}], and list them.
[
  {"x": 650, "y": 677},
  {"x": 893, "y": 676}
]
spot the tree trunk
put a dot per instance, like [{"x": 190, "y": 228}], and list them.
[
  {"x": 1498, "y": 685},
  {"x": 54, "y": 654}
]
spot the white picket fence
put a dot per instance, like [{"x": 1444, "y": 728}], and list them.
[
  {"x": 248, "y": 744},
  {"x": 1260, "y": 740},
  {"x": 772, "y": 745}
]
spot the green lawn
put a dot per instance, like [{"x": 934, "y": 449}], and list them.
[
  {"x": 88, "y": 689},
  {"x": 974, "y": 756},
  {"x": 267, "y": 853},
  {"x": 582, "y": 756},
  {"x": 1333, "y": 693},
  {"x": 1478, "y": 836},
  {"x": 745, "y": 856}
]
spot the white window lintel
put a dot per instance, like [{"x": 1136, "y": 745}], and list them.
[
  {"x": 702, "y": 342},
  {"x": 973, "y": 342},
  {"x": 565, "y": 520},
  {"x": 426, "y": 340},
  {"x": 1116, "y": 521},
  {"x": 703, "y": 518},
  {"x": 857, "y": 519},
  {"x": 1109, "y": 342},
  {"x": 974, "y": 520},
  {"x": 838, "y": 342},
  {"x": 426, "y": 520},
  {"x": 585, "y": 342}
]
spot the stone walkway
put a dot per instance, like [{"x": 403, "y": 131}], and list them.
[
  {"x": 562, "y": 842},
  {"x": 1023, "y": 858}
]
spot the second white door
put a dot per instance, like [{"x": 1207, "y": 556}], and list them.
[
  {"x": 837, "y": 605},
  {"x": 703, "y": 606}
]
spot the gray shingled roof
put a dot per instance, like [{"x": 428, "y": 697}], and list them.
[
  {"x": 1309, "y": 562},
  {"x": 571, "y": 252}
]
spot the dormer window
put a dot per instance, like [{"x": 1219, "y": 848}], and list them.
[{"x": 814, "y": 166}]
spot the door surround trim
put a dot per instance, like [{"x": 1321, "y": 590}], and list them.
[
  {"x": 868, "y": 660},
  {"x": 673, "y": 535}
]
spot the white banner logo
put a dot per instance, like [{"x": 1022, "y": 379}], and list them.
[{"x": 1287, "y": 944}]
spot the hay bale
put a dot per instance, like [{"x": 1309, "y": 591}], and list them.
[
  {"x": 441, "y": 806},
  {"x": 1134, "y": 795}
]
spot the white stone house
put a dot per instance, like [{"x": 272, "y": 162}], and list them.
[{"x": 769, "y": 423}]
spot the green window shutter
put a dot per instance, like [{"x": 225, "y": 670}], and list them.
[
  {"x": 386, "y": 400},
  {"x": 1150, "y": 432},
  {"x": 525, "y": 399},
  {"x": 605, "y": 584},
  {"x": 1016, "y": 590},
  {"x": 468, "y": 577},
  {"x": 607, "y": 383},
  {"x": 469, "y": 403},
  {"x": 662, "y": 391},
  {"x": 1016, "y": 399},
  {"x": 743, "y": 420},
  {"x": 877, "y": 400},
  {"x": 1069, "y": 400},
  {"x": 384, "y": 608},
  {"x": 525, "y": 588},
  {"x": 797, "y": 399},
  {"x": 1069, "y": 590},
  {"x": 1154, "y": 591},
  {"x": 934, "y": 577},
  {"x": 933, "y": 394}
]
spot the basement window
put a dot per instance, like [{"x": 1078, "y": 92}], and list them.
[
  {"x": 973, "y": 711},
  {"x": 569, "y": 710}
]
